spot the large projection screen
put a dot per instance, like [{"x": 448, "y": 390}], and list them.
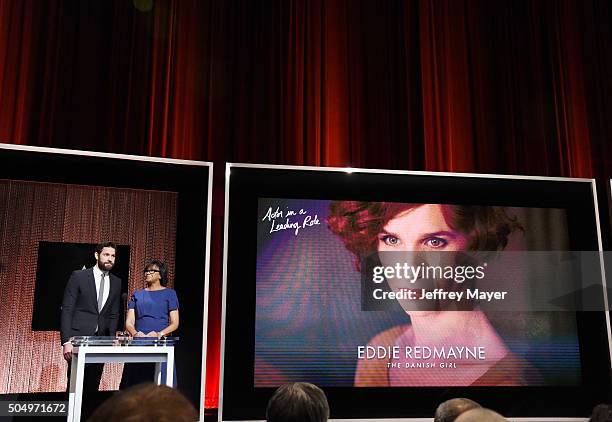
[
  {"x": 56, "y": 206},
  {"x": 304, "y": 244}
]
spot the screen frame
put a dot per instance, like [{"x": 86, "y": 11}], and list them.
[
  {"x": 229, "y": 167},
  {"x": 109, "y": 157}
]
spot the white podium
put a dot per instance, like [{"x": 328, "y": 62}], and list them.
[{"x": 110, "y": 349}]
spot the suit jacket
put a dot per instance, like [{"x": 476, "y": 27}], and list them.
[{"x": 80, "y": 314}]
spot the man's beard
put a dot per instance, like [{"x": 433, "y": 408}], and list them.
[{"x": 105, "y": 266}]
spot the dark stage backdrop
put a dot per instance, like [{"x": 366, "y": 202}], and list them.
[{"x": 514, "y": 86}]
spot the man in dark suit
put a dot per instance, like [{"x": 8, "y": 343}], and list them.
[{"x": 92, "y": 300}]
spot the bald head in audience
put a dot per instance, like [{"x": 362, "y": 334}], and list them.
[
  {"x": 481, "y": 415},
  {"x": 450, "y": 409}
]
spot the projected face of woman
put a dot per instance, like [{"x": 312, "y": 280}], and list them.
[
  {"x": 417, "y": 231},
  {"x": 423, "y": 228}
]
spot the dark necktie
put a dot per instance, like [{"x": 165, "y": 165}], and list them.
[{"x": 101, "y": 293}]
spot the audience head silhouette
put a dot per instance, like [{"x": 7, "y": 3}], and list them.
[
  {"x": 449, "y": 410},
  {"x": 480, "y": 415},
  {"x": 601, "y": 413},
  {"x": 298, "y": 402},
  {"x": 146, "y": 402}
]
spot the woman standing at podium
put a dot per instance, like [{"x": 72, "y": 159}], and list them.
[{"x": 152, "y": 312}]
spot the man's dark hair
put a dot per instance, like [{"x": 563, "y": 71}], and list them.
[
  {"x": 103, "y": 245},
  {"x": 163, "y": 270},
  {"x": 449, "y": 410},
  {"x": 298, "y": 402}
]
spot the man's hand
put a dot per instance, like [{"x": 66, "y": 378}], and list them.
[
  {"x": 153, "y": 334},
  {"x": 139, "y": 334},
  {"x": 68, "y": 351}
]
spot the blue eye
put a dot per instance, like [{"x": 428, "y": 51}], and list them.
[
  {"x": 436, "y": 242},
  {"x": 390, "y": 240}
]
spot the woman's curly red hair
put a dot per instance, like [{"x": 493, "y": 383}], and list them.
[{"x": 359, "y": 223}]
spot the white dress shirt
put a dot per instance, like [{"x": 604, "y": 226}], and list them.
[{"x": 97, "y": 272}]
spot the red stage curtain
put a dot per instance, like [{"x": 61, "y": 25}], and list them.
[{"x": 512, "y": 86}]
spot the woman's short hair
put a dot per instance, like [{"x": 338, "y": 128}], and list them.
[
  {"x": 298, "y": 402},
  {"x": 146, "y": 402},
  {"x": 163, "y": 270},
  {"x": 359, "y": 223}
]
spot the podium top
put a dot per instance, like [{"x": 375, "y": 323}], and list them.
[{"x": 122, "y": 341}]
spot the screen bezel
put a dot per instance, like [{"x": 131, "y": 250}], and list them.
[
  {"x": 247, "y": 182},
  {"x": 192, "y": 180}
]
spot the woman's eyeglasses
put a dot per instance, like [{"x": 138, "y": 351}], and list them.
[{"x": 150, "y": 271}]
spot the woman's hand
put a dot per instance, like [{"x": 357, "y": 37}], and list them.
[{"x": 129, "y": 324}]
